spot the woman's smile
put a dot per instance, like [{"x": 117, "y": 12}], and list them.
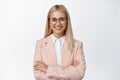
[{"x": 58, "y": 27}]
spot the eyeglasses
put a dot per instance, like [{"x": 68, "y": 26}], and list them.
[{"x": 62, "y": 20}]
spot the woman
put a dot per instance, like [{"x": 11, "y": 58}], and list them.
[{"x": 58, "y": 56}]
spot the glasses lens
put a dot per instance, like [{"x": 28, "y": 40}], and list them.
[{"x": 61, "y": 20}]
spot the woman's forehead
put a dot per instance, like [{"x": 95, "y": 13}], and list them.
[{"x": 57, "y": 14}]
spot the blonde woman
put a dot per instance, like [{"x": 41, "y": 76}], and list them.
[{"x": 58, "y": 56}]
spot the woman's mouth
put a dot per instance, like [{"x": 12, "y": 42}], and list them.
[{"x": 58, "y": 27}]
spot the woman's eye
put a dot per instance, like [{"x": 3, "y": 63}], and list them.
[
  {"x": 62, "y": 19},
  {"x": 53, "y": 19}
]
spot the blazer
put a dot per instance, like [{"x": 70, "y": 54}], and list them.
[{"x": 45, "y": 51}]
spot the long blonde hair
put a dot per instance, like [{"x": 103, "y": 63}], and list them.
[{"x": 68, "y": 31}]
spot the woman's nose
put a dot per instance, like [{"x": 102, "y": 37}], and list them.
[{"x": 58, "y": 22}]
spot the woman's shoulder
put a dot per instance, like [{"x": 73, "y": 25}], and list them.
[
  {"x": 78, "y": 42},
  {"x": 42, "y": 40}
]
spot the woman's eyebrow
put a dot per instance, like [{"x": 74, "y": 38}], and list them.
[{"x": 57, "y": 18}]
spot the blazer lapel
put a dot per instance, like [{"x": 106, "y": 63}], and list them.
[
  {"x": 65, "y": 53},
  {"x": 67, "y": 57},
  {"x": 50, "y": 51}
]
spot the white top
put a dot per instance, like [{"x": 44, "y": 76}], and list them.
[{"x": 58, "y": 43}]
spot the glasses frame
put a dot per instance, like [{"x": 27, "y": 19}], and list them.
[{"x": 58, "y": 20}]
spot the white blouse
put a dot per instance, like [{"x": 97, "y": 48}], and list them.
[{"x": 58, "y": 43}]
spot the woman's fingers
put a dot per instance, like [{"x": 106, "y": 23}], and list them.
[
  {"x": 40, "y": 65},
  {"x": 37, "y": 67},
  {"x": 76, "y": 63}
]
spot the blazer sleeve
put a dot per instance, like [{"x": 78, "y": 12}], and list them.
[
  {"x": 71, "y": 72},
  {"x": 39, "y": 75}
]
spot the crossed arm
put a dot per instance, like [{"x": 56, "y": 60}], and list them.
[
  {"x": 41, "y": 66},
  {"x": 73, "y": 72}
]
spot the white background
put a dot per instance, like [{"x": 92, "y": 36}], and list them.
[{"x": 95, "y": 22}]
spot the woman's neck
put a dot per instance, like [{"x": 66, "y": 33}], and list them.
[{"x": 58, "y": 35}]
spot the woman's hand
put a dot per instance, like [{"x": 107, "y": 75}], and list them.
[
  {"x": 40, "y": 65},
  {"x": 76, "y": 63}
]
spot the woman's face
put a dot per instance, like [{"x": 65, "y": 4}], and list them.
[{"x": 58, "y": 23}]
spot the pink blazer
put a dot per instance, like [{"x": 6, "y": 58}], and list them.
[{"x": 45, "y": 51}]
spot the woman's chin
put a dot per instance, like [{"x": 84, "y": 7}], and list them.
[{"x": 58, "y": 33}]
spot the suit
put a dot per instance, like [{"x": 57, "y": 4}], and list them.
[{"x": 45, "y": 51}]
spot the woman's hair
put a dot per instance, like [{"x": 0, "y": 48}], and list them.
[{"x": 68, "y": 31}]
